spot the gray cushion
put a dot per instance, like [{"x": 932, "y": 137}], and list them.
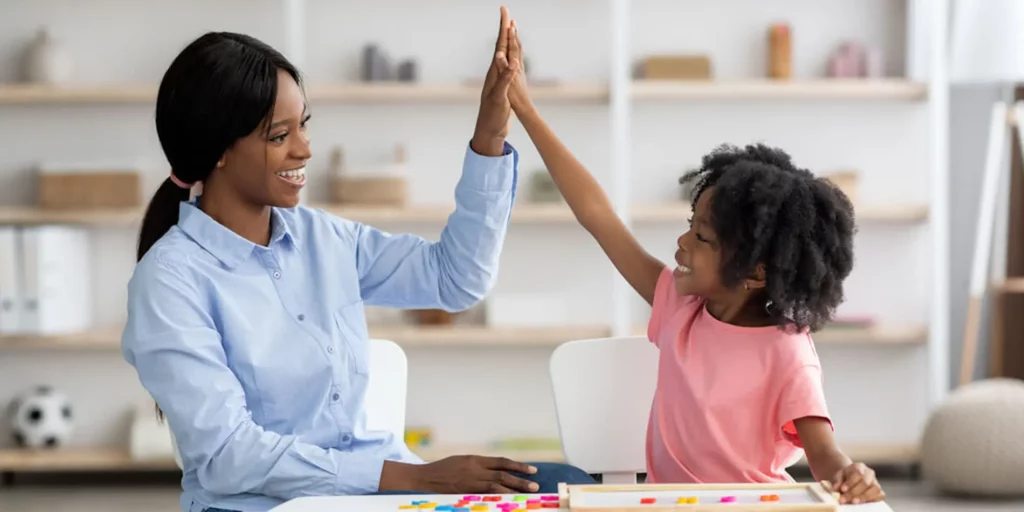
[{"x": 974, "y": 442}]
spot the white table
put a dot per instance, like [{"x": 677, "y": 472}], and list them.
[{"x": 391, "y": 503}]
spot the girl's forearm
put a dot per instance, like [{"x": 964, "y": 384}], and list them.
[{"x": 581, "y": 190}]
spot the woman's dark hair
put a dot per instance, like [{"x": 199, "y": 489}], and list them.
[
  {"x": 219, "y": 89},
  {"x": 800, "y": 227}
]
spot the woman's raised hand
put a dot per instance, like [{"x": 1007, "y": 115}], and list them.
[{"x": 492, "y": 121}]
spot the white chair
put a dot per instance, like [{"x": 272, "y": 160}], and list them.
[
  {"x": 603, "y": 390},
  {"x": 385, "y": 391}
]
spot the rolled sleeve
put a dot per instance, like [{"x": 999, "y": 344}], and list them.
[
  {"x": 172, "y": 341},
  {"x": 490, "y": 173}
]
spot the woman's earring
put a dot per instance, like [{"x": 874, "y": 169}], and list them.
[
  {"x": 746, "y": 286},
  {"x": 768, "y": 307}
]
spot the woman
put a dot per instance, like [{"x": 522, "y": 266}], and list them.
[{"x": 245, "y": 312}]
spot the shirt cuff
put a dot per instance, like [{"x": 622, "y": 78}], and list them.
[
  {"x": 490, "y": 173},
  {"x": 360, "y": 473}
]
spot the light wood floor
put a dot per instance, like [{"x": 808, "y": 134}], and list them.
[{"x": 904, "y": 496}]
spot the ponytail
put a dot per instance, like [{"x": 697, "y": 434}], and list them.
[{"x": 161, "y": 215}]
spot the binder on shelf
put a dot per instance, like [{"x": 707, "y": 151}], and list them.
[
  {"x": 55, "y": 280},
  {"x": 10, "y": 294}
]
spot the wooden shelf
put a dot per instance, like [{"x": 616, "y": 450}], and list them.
[
  {"x": 469, "y": 92},
  {"x": 74, "y": 459},
  {"x": 821, "y": 89},
  {"x": 817, "y": 89},
  {"x": 1012, "y": 285},
  {"x": 77, "y": 94},
  {"x": 479, "y": 336},
  {"x": 880, "y": 335},
  {"x": 342, "y": 92},
  {"x": 864, "y": 213},
  {"x": 98, "y": 339},
  {"x": 407, "y": 336},
  {"x": 31, "y": 215},
  {"x": 523, "y": 213},
  {"x": 470, "y": 336}
]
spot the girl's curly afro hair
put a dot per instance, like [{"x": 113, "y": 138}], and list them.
[{"x": 799, "y": 227}]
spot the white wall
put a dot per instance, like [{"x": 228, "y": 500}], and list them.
[{"x": 475, "y": 395}]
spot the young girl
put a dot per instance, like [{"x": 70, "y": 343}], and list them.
[{"x": 740, "y": 386}]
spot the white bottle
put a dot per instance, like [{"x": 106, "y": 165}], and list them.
[{"x": 48, "y": 62}]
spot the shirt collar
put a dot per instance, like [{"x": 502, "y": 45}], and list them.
[{"x": 224, "y": 244}]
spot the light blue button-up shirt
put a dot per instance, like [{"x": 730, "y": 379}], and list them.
[{"x": 258, "y": 355}]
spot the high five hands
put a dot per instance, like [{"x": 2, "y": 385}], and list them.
[{"x": 504, "y": 90}]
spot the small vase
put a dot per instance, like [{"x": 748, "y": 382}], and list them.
[{"x": 47, "y": 62}]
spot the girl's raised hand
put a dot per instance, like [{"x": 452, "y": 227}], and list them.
[{"x": 518, "y": 94}]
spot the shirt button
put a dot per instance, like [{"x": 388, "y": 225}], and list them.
[
  {"x": 277, "y": 275},
  {"x": 336, "y": 397},
  {"x": 345, "y": 438},
  {"x": 302, "y": 317},
  {"x": 330, "y": 349}
]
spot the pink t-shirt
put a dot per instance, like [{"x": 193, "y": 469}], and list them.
[{"x": 726, "y": 396}]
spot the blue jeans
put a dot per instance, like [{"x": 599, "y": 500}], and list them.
[{"x": 547, "y": 477}]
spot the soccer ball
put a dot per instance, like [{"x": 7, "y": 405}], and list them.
[{"x": 41, "y": 418}]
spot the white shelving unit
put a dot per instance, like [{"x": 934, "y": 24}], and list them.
[{"x": 915, "y": 347}]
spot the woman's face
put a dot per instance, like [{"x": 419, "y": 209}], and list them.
[{"x": 268, "y": 168}]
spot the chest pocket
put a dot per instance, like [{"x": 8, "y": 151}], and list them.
[{"x": 353, "y": 336}]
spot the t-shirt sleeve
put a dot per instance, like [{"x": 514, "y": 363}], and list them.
[
  {"x": 666, "y": 302},
  {"x": 802, "y": 396}
]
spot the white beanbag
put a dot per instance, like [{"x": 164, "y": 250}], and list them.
[{"x": 974, "y": 442}]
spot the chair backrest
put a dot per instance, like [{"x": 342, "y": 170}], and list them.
[
  {"x": 385, "y": 391},
  {"x": 603, "y": 389},
  {"x": 387, "y": 388}
]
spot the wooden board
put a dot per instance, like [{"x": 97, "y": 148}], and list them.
[
  {"x": 78, "y": 459},
  {"x": 789, "y": 497},
  {"x": 522, "y": 213},
  {"x": 799, "y": 90},
  {"x": 353, "y": 92},
  {"x": 408, "y": 336},
  {"x": 832, "y": 89}
]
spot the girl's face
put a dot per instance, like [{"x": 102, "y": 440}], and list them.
[
  {"x": 699, "y": 255},
  {"x": 267, "y": 168}
]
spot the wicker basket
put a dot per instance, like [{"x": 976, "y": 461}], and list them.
[
  {"x": 389, "y": 191},
  {"x": 387, "y": 188}
]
